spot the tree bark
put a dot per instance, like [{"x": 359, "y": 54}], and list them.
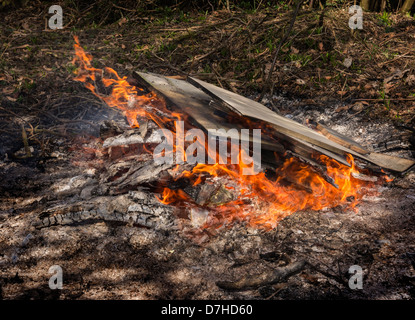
[
  {"x": 365, "y": 4},
  {"x": 407, "y": 5},
  {"x": 383, "y": 6}
]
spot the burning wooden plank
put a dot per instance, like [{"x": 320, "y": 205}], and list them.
[
  {"x": 208, "y": 115},
  {"x": 332, "y": 141},
  {"x": 197, "y": 105},
  {"x": 294, "y": 136}
]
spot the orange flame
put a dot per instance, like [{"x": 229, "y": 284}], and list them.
[
  {"x": 263, "y": 202},
  {"x": 260, "y": 201},
  {"x": 123, "y": 96}
]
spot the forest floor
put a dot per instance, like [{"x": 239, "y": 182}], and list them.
[{"x": 367, "y": 74}]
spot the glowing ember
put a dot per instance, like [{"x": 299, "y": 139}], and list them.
[
  {"x": 260, "y": 201},
  {"x": 264, "y": 203}
]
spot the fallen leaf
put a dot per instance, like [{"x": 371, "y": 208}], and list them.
[
  {"x": 25, "y": 26},
  {"x": 122, "y": 21},
  {"x": 321, "y": 46},
  {"x": 410, "y": 80},
  {"x": 387, "y": 87},
  {"x": 342, "y": 108},
  {"x": 8, "y": 90},
  {"x": 398, "y": 74},
  {"x": 300, "y": 81}
]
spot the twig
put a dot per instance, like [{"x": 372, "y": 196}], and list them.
[
  {"x": 125, "y": 9},
  {"x": 391, "y": 99},
  {"x": 396, "y": 58},
  {"x": 25, "y": 142},
  {"x": 256, "y": 281}
]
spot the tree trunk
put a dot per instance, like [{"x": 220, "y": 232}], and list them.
[
  {"x": 365, "y": 4},
  {"x": 311, "y": 4},
  {"x": 407, "y": 5}
]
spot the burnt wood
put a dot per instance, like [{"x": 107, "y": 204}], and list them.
[{"x": 333, "y": 142}]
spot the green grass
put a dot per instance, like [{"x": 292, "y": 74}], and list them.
[
  {"x": 386, "y": 101},
  {"x": 302, "y": 58},
  {"x": 384, "y": 18}
]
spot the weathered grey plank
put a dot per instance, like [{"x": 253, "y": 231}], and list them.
[
  {"x": 249, "y": 108},
  {"x": 194, "y": 103}
]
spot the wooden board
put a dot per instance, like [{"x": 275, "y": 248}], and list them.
[
  {"x": 341, "y": 139},
  {"x": 195, "y": 103},
  {"x": 199, "y": 106},
  {"x": 249, "y": 108}
]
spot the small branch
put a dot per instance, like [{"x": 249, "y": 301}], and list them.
[
  {"x": 391, "y": 99},
  {"x": 122, "y": 8},
  {"x": 256, "y": 281},
  {"x": 26, "y": 142}
]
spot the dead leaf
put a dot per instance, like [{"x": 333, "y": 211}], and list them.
[
  {"x": 294, "y": 50},
  {"x": 410, "y": 80},
  {"x": 11, "y": 99},
  {"x": 122, "y": 21},
  {"x": 387, "y": 87},
  {"x": 341, "y": 92},
  {"x": 267, "y": 67},
  {"x": 7, "y": 90},
  {"x": 342, "y": 108},
  {"x": 397, "y": 74},
  {"x": 300, "y": 81},
  {"x": 321, "y": 46},
  {"x": 26, "y": 26}
]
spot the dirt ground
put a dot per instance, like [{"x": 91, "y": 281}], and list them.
[{"x": 371, "y": 101}]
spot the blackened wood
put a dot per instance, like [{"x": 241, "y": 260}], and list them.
[
  {"x": 136, "y": 208},
  {"x": 266, "y": 278},
  {"x": 287, "y": 127}
]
